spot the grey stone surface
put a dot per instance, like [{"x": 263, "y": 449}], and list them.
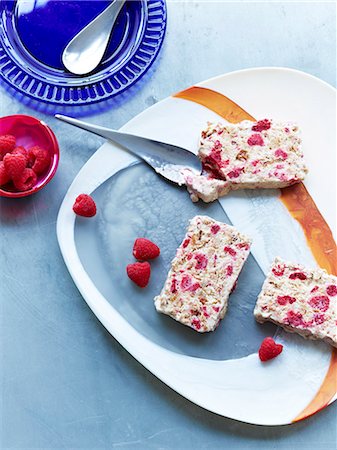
[{"x": 65, "y": 382}]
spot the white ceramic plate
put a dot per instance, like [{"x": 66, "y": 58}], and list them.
[{"x": 219, "y": 371}]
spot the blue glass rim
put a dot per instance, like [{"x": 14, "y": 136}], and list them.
[{"x": 30, "y": 77}]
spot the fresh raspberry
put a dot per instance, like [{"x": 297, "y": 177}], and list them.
[
  {"x": 21, "y": 151},
  {"x": 261, "y": 125},
  {"x": 215, "y": 228},
  {"x": 26, "y": 180},
  {"x": 7, "y": 144},
  {"x": 284, "y": 299},
  {"x": 269, "y": 349},
  {"x": 14, "y": 165},
  {"x": 202, "y": 261},
  {"x": 144, "y": 249},
  {"x": 255, "y": 139},
  {"x": 38, "y": 159},
  {"x": 84, "y": 206},
  {"x": 230, "y": 251},
  {"x": 298, "y": 275},
  {"x": 331, "y": 290},
  {"x": 279, "y": 153},
  {"x": 4, "y": 177},
  {"x": 320, "y": 302},
  {"x": 139, "y": 273}
]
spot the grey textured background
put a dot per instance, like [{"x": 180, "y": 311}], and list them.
[{"x": 65, "y": 382}]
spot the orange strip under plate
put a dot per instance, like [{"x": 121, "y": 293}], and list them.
[{"x": 302, "y": 207}]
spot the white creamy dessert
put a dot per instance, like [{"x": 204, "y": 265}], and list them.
[
  {"x": 205, "y": 187},
  {"x": 203, "y": 274},
  {"x": 300, "y": 300},
  {"x": 248, "y": 155}
]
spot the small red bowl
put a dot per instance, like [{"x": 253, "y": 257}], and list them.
[{"x": 28, "y": 132}]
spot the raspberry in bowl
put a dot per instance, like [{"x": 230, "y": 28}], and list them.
[{"x": 29, "y": 155}]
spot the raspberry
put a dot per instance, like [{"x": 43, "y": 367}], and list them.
[
  {"x": 204, "y": 310},
  {"x": 230, "y": 251},
  {"x": 294, "y": 318},
  {"x": 261, "y": 125},
  {"x": 84, "y": 206},
  {"x": 243, "y": 245},
  {"x": 14, "y": 165},
  {"x": 21, "y": 151},
  {"x": 284, "y": 299},
  {"x": 320, "y": 302},
  {"x": 331, "y": 290},
  {"x": 186, "y": 284},
  {"x": 279, "y": 153},
  {"x": 269, "y": 349},
  {"x": 202, "y": 261},
  {"x": 186, "y": 242},
  {"x": 4, "y": 177},
  {"x": 215, "y": 228},
  {"x": 26, "y": 180},
  {"x": 235, "y": 173},
  {"x": 255, "y": 162},
  {"x": 38, "y": 159},
  {"x": 139, "y": 273},
  {"x": 7, "y": 144},
  {"x": 255, "y": 139},
  {"x": 144, "y": 249},
  {"x": 319, "y": 318},
  {"x": 229, "y": 270},
  {"x": 196, "y": 324},
  {"x": 174, "y": 286},
  {"x": 278, "y": 270},
  {"x": 298, "y": 276}
]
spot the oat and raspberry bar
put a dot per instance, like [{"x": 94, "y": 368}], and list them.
[
  {"x": 300, "y": 300},
  {"x": 249, "y": 155},
  {"x": 203, "y": 274}
]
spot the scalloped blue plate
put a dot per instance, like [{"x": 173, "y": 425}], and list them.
[{"x": 33, "y": 35}]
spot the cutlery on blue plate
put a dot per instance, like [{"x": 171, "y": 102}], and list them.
[{"x": 86, "y": 50}]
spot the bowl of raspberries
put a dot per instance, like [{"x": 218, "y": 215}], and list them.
[{"x": 29, "y": 155}]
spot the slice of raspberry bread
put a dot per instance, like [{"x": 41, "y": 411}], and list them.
[
  {"x": 203, "y": 274},
  {"x": 300, "y": 300}
]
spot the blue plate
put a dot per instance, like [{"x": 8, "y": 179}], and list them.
[{"x": 33, "y": 34}]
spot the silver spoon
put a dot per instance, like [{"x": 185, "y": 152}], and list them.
[
  {"x": 166, "y": 159},
  {"x": 85, "y": 51}
]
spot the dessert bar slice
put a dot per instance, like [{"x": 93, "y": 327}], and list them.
[
  {"x": 203, "y": 274},
  {"x": 248, "y": 155},
  {"x": 300, "y": 300}
]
